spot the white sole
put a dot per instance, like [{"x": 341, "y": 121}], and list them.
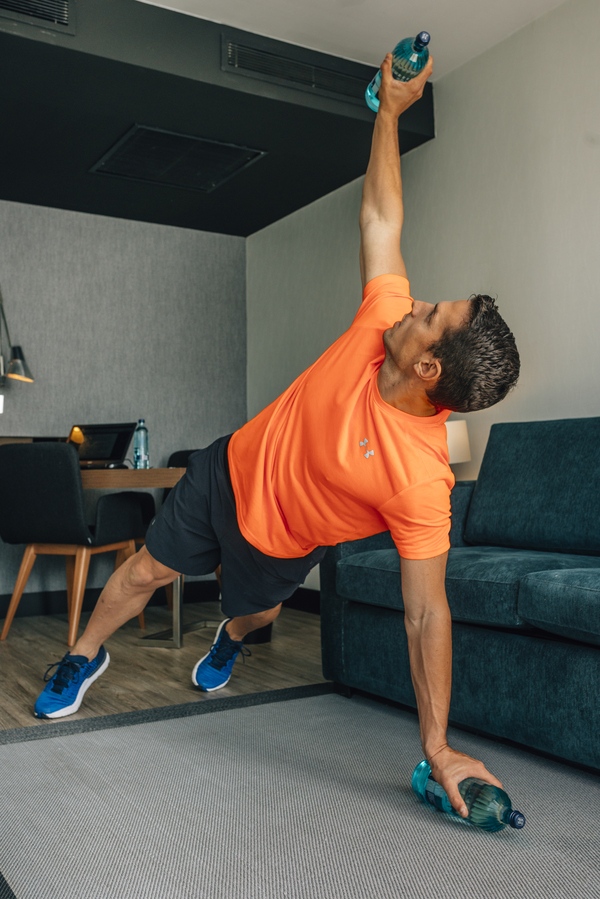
[
  {"x": 197, "y": 665},
  {"x": 71, "y": 709}
]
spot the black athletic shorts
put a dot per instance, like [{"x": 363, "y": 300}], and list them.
[{"x": 197, "y": 528}]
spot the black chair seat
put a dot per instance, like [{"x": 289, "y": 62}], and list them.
[{"x": 41, "y": 498}]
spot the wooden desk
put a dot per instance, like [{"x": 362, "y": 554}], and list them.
[
  {"x": 146, "y": 478},
  {"x": 129, "y": 478}
]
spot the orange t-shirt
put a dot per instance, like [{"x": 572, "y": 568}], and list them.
[{"x": 330, "y": 460}]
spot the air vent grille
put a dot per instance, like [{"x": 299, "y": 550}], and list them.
[
  {"x": 281, "y": 69},
  {"x": 56, "y": 11},
  {"x": 177, "y": 160}
]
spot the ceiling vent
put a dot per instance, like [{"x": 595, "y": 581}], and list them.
[
  {"x": 177, "y": 160},
  {"x": 55, "y": 14},
  {"x": 241, "y": 58}
]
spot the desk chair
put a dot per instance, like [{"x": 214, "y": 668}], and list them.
[{"x": 41, "y": 505}]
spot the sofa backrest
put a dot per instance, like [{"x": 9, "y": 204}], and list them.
[{"x": 539, "y": 487}]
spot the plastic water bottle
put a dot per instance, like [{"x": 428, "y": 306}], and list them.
[
  {"x": 141, "y": 453},
  {"x": 489, "y": 807},
  {"x": 409, "y": 57}
]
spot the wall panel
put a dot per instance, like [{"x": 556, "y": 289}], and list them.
[{"x": 120, "y": 320}]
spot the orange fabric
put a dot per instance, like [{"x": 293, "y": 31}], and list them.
[{"x": 330, "y": 461}]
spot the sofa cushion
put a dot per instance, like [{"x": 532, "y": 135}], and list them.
[
  {"x": 482, "y": 582},
  {"x": 563, "y": 602},
  {"x": 539, "y": 487}
]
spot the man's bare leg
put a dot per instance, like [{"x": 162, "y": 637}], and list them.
[
  {"x": 125, "y": 595},
  {"x": 237, "y": 628}
]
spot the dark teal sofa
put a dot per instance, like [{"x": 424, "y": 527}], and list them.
[{"x": 523, "y": 586}]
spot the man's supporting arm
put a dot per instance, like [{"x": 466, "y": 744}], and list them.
[
  {"x": 381, "y": 212},
  {"x": 429, "y": 631}
]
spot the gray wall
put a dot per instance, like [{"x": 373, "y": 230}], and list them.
[
  {"x": 303, "y": 290},
  {"x": 120, "y": 320},
  {"x": 505, "y": 200}
]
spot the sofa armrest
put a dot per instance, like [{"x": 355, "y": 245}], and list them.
[
  {"x": 460, "y": 500},
  {"x": 333, "y": 606}
]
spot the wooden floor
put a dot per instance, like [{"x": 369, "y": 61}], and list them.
[{"x": 142, "y": 677}]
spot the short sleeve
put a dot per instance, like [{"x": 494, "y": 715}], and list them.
[
  {"x": 385, "y": 300},
  {"x": 419, "y": 519}
]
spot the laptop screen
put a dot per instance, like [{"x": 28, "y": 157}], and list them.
[{"x": 102, "y": 443}]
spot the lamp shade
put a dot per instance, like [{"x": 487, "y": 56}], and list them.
[
  {"x": 18, "y": 368},
  {"x": 458, "y": 442}
]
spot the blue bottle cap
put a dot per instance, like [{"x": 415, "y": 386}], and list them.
[
  {"x": 423, "y": 38},
  {"x": 517, "y": 820}
]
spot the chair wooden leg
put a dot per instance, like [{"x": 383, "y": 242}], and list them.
[
  {"x": 82, "y": 564},
  {"x": 70, "y": 566},
  {"x": 22, "y": 578},
  {"x": 130, "y": 550},
  {"x": 119, "y": 559}
]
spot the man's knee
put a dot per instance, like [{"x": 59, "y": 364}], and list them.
[{"x": 142, "y": 573}]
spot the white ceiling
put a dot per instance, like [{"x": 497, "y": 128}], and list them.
[{"x": 364, "y": 30}]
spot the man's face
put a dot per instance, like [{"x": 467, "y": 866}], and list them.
[{"x": 408, "y": 340}]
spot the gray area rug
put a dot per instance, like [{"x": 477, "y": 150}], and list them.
[{"x": 300, "y": 799}]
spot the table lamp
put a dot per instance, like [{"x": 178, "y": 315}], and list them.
[{"x": 458, "y": 442}]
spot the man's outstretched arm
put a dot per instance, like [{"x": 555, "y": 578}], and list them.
[
  {"x": 429, "y": 631},
  {"x": 381, "y": 212}
]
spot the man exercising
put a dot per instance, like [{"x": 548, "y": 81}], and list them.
[{"x": 355, "y": 446}]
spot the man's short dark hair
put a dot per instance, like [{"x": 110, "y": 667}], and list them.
[{"x": 480, "y": 361}]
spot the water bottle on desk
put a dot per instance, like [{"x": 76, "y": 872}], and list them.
[
  {"x": 409, "y": 57},
  {"x": 489, "y": 807},
  {"x": 141, "y": 453}
]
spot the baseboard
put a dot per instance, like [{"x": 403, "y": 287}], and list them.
[{"x": 54, "y": 602}]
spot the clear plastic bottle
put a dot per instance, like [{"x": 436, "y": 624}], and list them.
[
  {"x": 141, "y": 452},
  {"x": 489, "y": 807},
  {"x": 409, "y": 57}
]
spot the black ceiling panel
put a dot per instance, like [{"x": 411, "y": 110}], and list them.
[
  {"x": 63, "y": 110},
  {"x": 178, "y": 160},
  {"x": 56, "y": 14}
]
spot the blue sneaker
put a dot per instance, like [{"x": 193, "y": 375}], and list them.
[
  {"x": 214, "y": 669},
  {"x": 65, "y": 690}
]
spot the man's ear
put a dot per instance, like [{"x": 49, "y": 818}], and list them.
[{"x": 428, "y": 369}]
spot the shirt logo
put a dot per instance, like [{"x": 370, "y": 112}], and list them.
[{"x": 368, "y": 452}]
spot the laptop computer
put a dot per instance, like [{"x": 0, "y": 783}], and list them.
[{"x": 102, "y": 446}]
